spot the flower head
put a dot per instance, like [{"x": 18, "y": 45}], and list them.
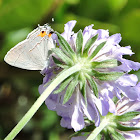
[
  {"x": 103, "y": 74},
  {"x": 124, "y": 124},
  {"x": 128, "y": 113}
]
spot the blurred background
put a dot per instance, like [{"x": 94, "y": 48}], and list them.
[{"x": 19, "y": 88}]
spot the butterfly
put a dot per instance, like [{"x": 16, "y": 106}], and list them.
[{"x": 33, "y": 52}]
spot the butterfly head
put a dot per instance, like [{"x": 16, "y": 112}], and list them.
[{"x": 45, "y": 30}]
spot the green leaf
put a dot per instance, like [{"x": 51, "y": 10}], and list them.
[
  {"x": 79, "y": 42},
  {"x": 63, "y": 85},
  {"x": 89, "y": 44},
  {"x": 116, "y": 135},
  {"x": 107, "y": 136},
  {"x": 56, "y": 61},
  {"x": 127, "y": 116},
  {"x": 83, "y": 90},
  {"x": 70, "y": 90},
  {"x": 62, "y": 56},
  {"x": 125, "y": 128},
  {"x": 107, "y": 76},
  {"x": 62, "y": 66},
  {"x": 83, "y": 85},
  {"x": 59, "y": 63},
  {"x": 84, "y": 130},
  {"x": 98, "y": 48},
  {"x": 105, "y": 64},
  {"x": 65, "y": 45},
  {"x": 93, "y": 85}
]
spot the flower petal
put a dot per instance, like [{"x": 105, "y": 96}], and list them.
[
  {"x": 127, "y": 80},
  {"x": 77, "y": 120},
  {"x": 128, "y": 65},
  {"x": 116, "y": 38},
  {"x": 66, "y": 122},
  {"x": 68, "y": 29}
]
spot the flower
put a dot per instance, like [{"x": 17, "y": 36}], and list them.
[
  {"x": 89, "y": 92},
  {"x": 125, "y": 123},
  {"x": 125, "y": 106}
]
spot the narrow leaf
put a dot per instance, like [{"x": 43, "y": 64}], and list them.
[
  {"x": 59, "y": 63},
  {"x": 83, "y": 85},
  {"x": 70, "y": 90},
  {"x": 62, "y": 66},
  {"x": 83, "y": 90},
  {"x": 108, "y": 76},
  {"x": 127, "y": 116},
  {"x": 79, "y": 42},
  {"x": 105, "y": 64},
  {"x": 117, "y": 136},
  {"x": 93, "y": 85},
  {"x": 63, "y": 85},
  {"x": 56, "y": 61},
  {"x": 125, "y": 128},
  {"x": 62, "y": 56},
  {"x": 84, "y": 130},
  {"x": 65, "y": 45},
  {"x": 89, "y": 44},
  {"x": 98, "y": 48},
  {"x": 107, "y": 136}
]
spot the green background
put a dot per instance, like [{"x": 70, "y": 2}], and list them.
[{"x": 19, "y": 88}]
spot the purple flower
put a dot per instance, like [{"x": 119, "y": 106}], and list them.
[
  {"x": 125, "y": 121},
  {"x": 124, "y": 106},
  {"x": 101, "y": 76}
]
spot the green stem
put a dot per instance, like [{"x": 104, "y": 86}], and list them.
[
  {"x": 40, "y": 101},
  {"x": 97, "y": 130}
]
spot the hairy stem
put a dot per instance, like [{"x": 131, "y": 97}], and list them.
[
  {"x": 40, "y": 101},
  {"x": 98, "y": 129}
]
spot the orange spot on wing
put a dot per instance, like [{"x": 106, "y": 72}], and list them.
[
  {"x": 49, "y": 35},
  {"x": 42, "y": 33}
]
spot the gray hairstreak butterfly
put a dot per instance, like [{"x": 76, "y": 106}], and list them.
[{"x": 33, "y": 52}]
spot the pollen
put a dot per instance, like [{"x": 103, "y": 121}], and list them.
[{"x": 42, "y": 33}]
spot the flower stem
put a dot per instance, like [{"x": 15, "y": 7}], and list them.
[
  {"x": 40, "y": 101},
  {"x": 97, "y": 130}
]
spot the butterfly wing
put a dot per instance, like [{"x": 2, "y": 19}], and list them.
[{"x": 31, "y": 54}]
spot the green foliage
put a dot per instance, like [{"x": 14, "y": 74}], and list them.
[
  {"x": 63, "y": 85},
  {"x": 70, "y": 90},
  {"x": 126, "y": 128},
  {"x": 85, "y": 131},
  {"x": 98, "y": 48},
  {"x": 79, "y": 42},
  {"x": 15, "y": 14},
  {"x": 93, "y": 85},
  {"x": 127, "y": 116},
  {"x": 108, "y": 76},
  {"x": 116, "y": 135},
  {"x": 105, "y": 64},
  {"x": 116, "y": 6},
  {"x": 65, "y": 46},
  {"x": 89, "y": 44},
  {"x": 62, "y": 56}
]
